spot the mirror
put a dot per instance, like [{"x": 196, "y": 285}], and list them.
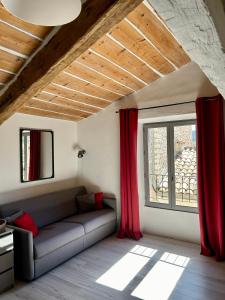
[{"x": 36, "y": 154}]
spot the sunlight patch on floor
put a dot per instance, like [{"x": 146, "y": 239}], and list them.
[
  {"x": 123, "y": 271},
  {"x": 161, "y": 280}
]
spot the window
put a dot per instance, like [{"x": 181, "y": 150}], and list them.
[{"x": 170, "y": 165}]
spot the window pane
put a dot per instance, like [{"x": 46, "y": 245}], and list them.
[
  {"x": 158, "y": 166},
  {"x": 185, "y": 165}
]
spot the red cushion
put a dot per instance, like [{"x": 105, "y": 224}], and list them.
[
  {"x": 26, "y": 222},
  {"x": 99, "y": 200}
]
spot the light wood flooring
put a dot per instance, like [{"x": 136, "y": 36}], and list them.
[{"x": 154, "y": 268}]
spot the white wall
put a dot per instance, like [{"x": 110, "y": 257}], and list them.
[
  {"x": 99, "y": 136},
  {"x": 65, "y": 136}
]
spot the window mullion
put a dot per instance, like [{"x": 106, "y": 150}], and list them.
[
  {"x": 169, "y": 164},
  {"x": 171, "y": 174},
  {"x": 173, "y": 168}
]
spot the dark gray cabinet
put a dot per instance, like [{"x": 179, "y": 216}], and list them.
[{"x": 6, "y": 260}]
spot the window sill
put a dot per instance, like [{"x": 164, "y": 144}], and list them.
[{"x": 178, "y": 209}]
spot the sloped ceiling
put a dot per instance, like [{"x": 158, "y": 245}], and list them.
[
  {"x": 18, "y": 41},
  {"x": 134, "y": 53}
]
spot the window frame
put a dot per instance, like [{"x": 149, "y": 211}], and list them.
[{"x": 170, "y": 125}]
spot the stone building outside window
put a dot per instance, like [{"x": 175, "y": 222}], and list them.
[{"x": 171, "y": 165}]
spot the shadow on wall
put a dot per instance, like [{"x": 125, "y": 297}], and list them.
[
  {"x": 93, "y": 188},
  {"x": 32, "y": 191}
]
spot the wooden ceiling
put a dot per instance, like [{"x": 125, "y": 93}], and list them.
[
  {"x": 18, "y": 41},
  {"x": 135, "y": 52}
]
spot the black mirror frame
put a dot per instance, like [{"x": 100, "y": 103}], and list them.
[{"x": 21, "y": 155}]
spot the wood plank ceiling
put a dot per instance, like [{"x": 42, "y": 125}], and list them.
[
  {"x": 137, "y": 51},
  {"x": 18, "y": 41}
]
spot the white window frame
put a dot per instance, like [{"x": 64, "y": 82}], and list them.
[{"x": 171, "y": 172}]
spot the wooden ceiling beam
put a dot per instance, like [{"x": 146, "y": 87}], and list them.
[{"x": 96, "y": 19}]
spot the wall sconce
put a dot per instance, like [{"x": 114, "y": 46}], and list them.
[{"x": 79, "y": 151}]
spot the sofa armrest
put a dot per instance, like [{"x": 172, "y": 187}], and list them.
[
  {"x": 111, "y": 202},
  {"x": 23, "y": 253}
]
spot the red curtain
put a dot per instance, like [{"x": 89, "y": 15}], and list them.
[
  {"x": 129, "y": 223},
  {"x": 211, "y": 175},
  {"x": 35, "y": 150}
]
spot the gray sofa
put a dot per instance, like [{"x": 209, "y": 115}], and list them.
[{"x": 63, "y": 232}]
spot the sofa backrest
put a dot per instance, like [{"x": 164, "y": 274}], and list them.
[{"x": 46, "y": 209}]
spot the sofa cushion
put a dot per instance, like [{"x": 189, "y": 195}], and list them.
[
  {"x": 26, "y": 222},
  {"x": 89, "y": 202},
  {"x": 86, "y": 203},
  {"x": 94, "y": 219},
  {"x": 56, "y": 235}
]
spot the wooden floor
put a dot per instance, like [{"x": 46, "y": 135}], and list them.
[{"x": 154, "y": 268}]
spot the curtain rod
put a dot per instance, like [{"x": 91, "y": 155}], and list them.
[{"x": 160, "y": 106}]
